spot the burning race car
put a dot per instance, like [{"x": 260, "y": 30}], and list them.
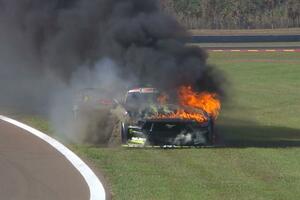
[{"x": 149, "y": 120}]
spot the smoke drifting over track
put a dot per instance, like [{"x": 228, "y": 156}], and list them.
[{"x": 48, "y": 46}]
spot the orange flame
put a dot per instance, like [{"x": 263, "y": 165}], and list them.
[
  {"x": 205, "y": 101},
  {"x": 181, "y": 114}
]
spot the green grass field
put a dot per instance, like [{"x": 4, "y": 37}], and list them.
[
  {"x": 252, "y": 45},
  {"x": 279, "y": 31},
  {"x": 259, "y": 125},
  {"x": 263, "y": 104}
]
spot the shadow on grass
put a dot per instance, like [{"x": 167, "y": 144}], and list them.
[{"x": 250, "y": 134}]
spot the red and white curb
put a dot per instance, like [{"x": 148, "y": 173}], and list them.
[
  {"x": 96, "y": 188},
  {"x": 253, "y": 50}
]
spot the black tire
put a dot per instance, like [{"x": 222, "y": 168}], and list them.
[
  {"x": 211, "y": 136},
  {"x": 124, "y": 132}
]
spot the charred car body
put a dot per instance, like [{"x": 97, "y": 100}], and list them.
[{"x": 148, "y": 122}]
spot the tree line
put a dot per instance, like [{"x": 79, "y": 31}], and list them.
[{"x": 234, "y": 14}]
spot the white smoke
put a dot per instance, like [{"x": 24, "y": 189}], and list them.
[{"x": 103, "y": 78}]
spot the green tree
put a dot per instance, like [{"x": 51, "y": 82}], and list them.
[{"x": 231, "y": 14}]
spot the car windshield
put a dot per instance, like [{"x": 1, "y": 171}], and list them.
[{"x": 137, "y": 98}]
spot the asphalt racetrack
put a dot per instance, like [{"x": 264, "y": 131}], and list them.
[{"x": 30, "y": 169}]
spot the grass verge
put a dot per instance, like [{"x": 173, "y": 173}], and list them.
[
  {"x": 280, "y": 31},
  {"x": 263, "y": 107},
  {"x": 259, "y": 45}
]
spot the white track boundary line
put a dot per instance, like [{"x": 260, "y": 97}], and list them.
[{"x": 96, "y": 188}]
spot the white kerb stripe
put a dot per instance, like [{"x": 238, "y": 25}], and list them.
[
  {"x": 96, "y": 188},
  {"x": 289, "y": 50},
  {"x": 217, "y": 50}
]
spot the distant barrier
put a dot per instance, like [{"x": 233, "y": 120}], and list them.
[{"x": 244, "y": 38}]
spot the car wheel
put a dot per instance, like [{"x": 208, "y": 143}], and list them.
[
  {"x": 211, "y": 135},
  {"x": 124, "y": 132}
]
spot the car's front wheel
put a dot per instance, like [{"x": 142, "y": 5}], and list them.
[{"x": 124, "y": 132}]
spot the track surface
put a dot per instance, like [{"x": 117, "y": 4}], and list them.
[{"x": 30, "y": 169}]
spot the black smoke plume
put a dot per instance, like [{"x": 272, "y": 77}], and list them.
[
  {"x": 51, "y": 49},
  {"x": 62, "y": 36}
]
